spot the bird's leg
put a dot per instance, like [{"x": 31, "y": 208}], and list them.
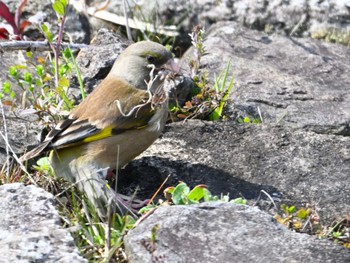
[
  {"x": 132, "y": 202},
  {"x": 128, "y": 202}
]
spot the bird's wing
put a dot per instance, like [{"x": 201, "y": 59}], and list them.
[
  {"x": 105, "y": 113},
  {"x": 111, "y": 103},
  {"x": 99, "y": 116},
  {"x": 76, "y": 132}
]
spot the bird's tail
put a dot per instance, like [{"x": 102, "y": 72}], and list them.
[
  {"x": 35, "y": 152},
  {"x": 90, "y": 179}
]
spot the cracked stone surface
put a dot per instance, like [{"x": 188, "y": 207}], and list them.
[{"x": 30, "y": 227}]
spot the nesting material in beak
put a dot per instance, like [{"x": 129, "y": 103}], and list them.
[{"x": 172, "y": 66}]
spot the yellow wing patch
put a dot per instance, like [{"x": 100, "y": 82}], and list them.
[{"x": 106, "y": 132}]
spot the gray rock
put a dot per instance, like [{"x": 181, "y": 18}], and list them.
[
  {"x": 223, "y": 232},
  {"x": 294, "y": 82},
  {"x": 294, "y": 166},
  {"x": 297, "y": 17},
  {"x": 30, "y": 227},
  {"x": 19, "y": 134}
]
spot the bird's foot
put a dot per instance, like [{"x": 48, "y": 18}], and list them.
[{"x": 130, "y": 203}]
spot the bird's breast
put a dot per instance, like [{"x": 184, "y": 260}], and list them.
[{"x": 158, "y": 120}]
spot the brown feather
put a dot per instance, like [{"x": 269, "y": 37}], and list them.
[{"x": 100, "y": 107}]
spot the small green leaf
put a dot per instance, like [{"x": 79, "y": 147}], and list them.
[
  {"x": 64, "y": 69},
  {"x": 47, "y": 32},
  {"x": 291, "y": 209},
  {"x": 256, "y": 121},
  {"x": 29, "y": 54},
  {"x": 40, "y": 70},
  {"x": 208, "y": 196},
  {"x": 62, "y": 94},
  {"x": 63, "y": 82},
  {"x": 288, "y": 209},
  {"x": 303, "y": 213},
  {"x": 336, "y": 234},
  {"x": 60, "y": 7},
  {"x": 246, "y": 120},
  {"x": 239, "y": 201},
  {"x": 67, "y": 53},
  {"x": 146, "y": 209},
  {"x": 44, "y": 27},
  {"x": 44, "y": 163},
  {"x": 28, "y": 77},
  {"x": 31, "y": 88},
  {"x": 180, "y": 193},
  {"x": 215, "y": 115},
  {"x": 6, "y": 87},
  {"x": 12, "y": 95},
  {"x": 39, "y": 82},
  {"x": 64, "y": 2},
  {"x": 197, "y": 193},
  {"x": 13, "y": 71}
]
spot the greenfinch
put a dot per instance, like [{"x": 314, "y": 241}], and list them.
[{"x": 120, "y": 119}]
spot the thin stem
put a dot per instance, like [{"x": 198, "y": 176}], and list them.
[
  {"x": 7, "y": 163},
  {"x": 128, "y": 31},
  {"x": 56, "y": 49},
  {"x": 80, "y": 78}
]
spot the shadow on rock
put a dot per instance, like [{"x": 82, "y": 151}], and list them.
[{"x": 147, "y": 174}]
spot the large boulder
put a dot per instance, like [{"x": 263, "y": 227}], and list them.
[{"x": 214, "y": 232}]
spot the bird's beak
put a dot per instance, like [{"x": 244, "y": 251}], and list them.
[{"x": 172, "y": 66}]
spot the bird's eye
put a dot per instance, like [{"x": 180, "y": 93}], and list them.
[{"x": 151, "y": 59}]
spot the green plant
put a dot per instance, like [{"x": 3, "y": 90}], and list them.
[
  {"x": 36, "y": 81},
  {"x": 44, "y": 81},
  {"x": 340, "y": 232},
  {"x": 298, "y": 219},
  {"x": 222, "y": 89},
  {"x": 183, "y": 195},
  {"x": 207, "y": 100},
  {"x": 249, "y": 120},
  {"x": 98, "y": 241},
  {"x": 338, "y": 36},
  {"x": 43, "y": 166},
  {"x": 307, "y": 220}
]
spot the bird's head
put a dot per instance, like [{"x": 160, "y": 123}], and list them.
[{"x": 133, "y": 64}]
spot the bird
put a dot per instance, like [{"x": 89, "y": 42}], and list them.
[{"x": 117, "y": 121}]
